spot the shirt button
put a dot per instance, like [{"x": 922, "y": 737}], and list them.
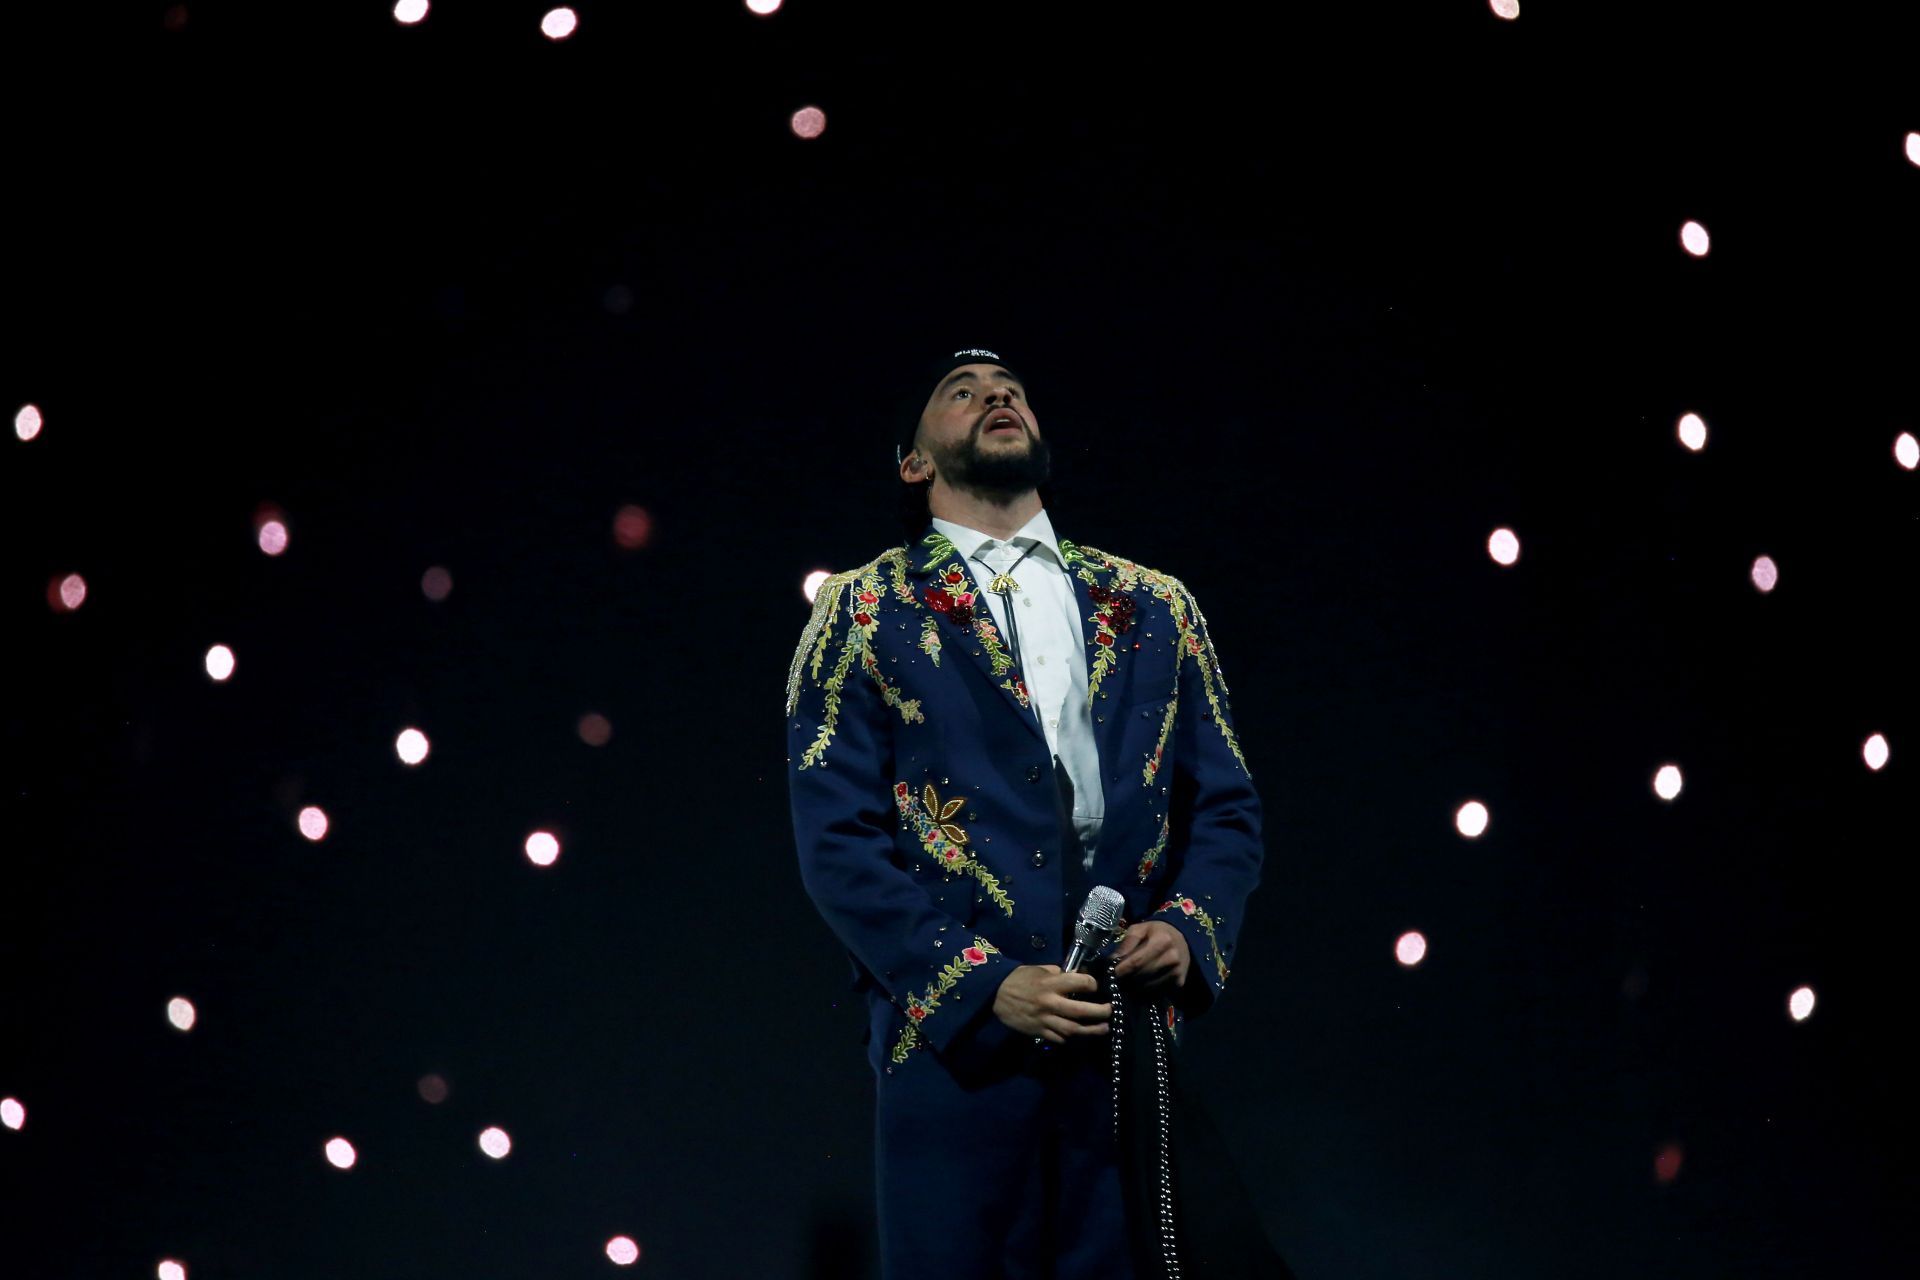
[
  {"x": 1053, "y": 724},
  {"x": 1043, "y": 659},
  {"x": 1039, "y": 941},
  {"x": 1028, "y": 602},
  {"x": 1039, "y": 858}
]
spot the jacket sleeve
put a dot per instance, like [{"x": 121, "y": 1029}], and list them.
[
  {"x": 1212, "y": 788},
  {"x": 847, "y": 807}
]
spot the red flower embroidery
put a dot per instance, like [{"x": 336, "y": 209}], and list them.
[
  {"x": 964, "y": 597},
  {"x": 954, "y": 575},
  {"x": 961, "y": 614},
  {"x": 1105, "y": 639},
  {"x": 863, "y": 619},
  {"x": 868, "y": 597},
  {"x": 937, "y": 599},
  {"x": 916, "y": 1011},
  {"x": 1187, "y": 905},
  {"x": 974, "y": 955}
]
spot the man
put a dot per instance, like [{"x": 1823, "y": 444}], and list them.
[{"x": 983, "y": 724}]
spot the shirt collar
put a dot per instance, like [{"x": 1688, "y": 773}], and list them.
[{"x": 968, "y": 541}]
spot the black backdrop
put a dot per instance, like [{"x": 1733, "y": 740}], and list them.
[{"x": 1310, "y": 302}]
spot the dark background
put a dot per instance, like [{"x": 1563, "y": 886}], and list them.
[{"x": 1310, "y": 300}]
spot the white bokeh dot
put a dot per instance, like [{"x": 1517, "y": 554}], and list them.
[
  {"x": 409, "y": 12},
  {"x": 810, "y": 585},
  {"x": 763, "y": 7},
  {"x": 313, "y": 822},
  {"x": 1874, "y": 752},
  {"x": 1693, "y": 237},
  {"x": 543, "y": 847},
  {"x": 1410, "y": 948},
  {"x": 1667, "y": 781},
  {"x": 1765, "y": 574},
  {"x": 1504, "y": 546},
  {"x": 559, "y": 23},
  {"x": 171, "y": 1270},
  {"x": 1800, "y": 1003},
  {"x": 1471, "y": 819},
  {"x": 12, "y": 1113},
  {"x": 340, "y": 1153},
  {"x": 27, "y": 422},
  {"x": 1906, "y": 450},
  {"x": 180, "y": 1012},
  {"x": 219, "y": 662},
  {"x": 495, "y": 1142},
  {"x": 411, "y": 745},
  {"x": 1693, "y": 431},
  {"x": 623, "y": 1251},
  {"x": 809, "y": 122}
]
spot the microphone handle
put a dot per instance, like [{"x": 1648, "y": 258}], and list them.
[{"x": 1075, "y": 955}]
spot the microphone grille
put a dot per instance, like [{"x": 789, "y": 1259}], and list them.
[{"x": 1103, "y": 907}]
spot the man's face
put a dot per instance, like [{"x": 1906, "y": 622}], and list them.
[{"x": 981, "y": 434}]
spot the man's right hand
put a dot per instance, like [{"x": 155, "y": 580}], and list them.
[{"x": 1038, "y": 1000}]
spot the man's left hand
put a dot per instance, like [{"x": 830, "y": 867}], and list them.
[{"x": 1153, "y": 956}]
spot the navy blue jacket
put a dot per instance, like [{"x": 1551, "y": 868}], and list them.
[{"x": 923, "y": 799}]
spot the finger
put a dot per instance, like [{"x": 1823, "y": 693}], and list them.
[
  {"x": 1068, "y": 1030},
  {"x": 1082, "y": 1010}
]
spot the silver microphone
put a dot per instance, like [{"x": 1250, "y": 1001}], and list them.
[{"x": 1098, "y": 914}]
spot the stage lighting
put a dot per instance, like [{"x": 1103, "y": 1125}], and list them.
[
  {"x": 542, "y": 848},
  {"x": 27, "y": 422},
  {"x": 219, "y": 662},
  {"x": 1874, "y": 752},
  {"x": 313, "y": 822},
  {"x": 1693, "y": 237},
  {"x": 180, "y": 1013},
  {"x": 559, "y": 23},
  {"x": 340, "y": 1153},
  {"x": 1410, "y": 948},
  {"x": 411, "y": 745},
  {"x": 1800, "y": 1003},
  {"x": 1906, "y": 450},
  {"x": 494, "y": 1142},
  {"x": 1471, "y": 820},
  {"x": 623, "y": 1251},
  {"x": 1666, "y": 781},
  {"x": 809, "y": 122},
  {"x": 1765, "y": 574},
  {"x": 1504, "y": 546},
  {"x": 12, "y": 1114},
  {"x": 409, "y": 12},
  {"x": 1693, "y": 431},
  {"x": 810, "y": 585},
  {"x": 67, "y": 592}
]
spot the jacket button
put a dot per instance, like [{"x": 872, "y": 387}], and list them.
[
  {"x": 1039, "y": 941},
  {"x": 1033, "y": 773},
  {"x": 1039, "y": 858}
]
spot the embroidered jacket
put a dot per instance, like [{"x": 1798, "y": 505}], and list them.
[{"x": 922, "y": 790}]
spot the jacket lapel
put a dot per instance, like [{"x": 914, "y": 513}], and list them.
[{"x": 932, "y": 562}]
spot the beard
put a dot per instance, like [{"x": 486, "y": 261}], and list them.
[{"x": 1001, "y": 474}]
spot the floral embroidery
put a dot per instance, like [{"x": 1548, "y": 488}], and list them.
[
  {"x": 1152, "y": 855},
  {"x": 930, "y": 638},
  {"x": 859, "y": 590},
  {"x": 919, "y": 1007},
  {"x": 1189, "y": 907},
  {"x": 865, "y": 605},
  {"x": 951, "y": 598},
  {"x": 1151, "y": 769},
  {"x": 945, "y": 841},
  {"x": 939, "y": 548}
]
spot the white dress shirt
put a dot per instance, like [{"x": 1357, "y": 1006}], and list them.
[{"x": 1053, "y": 651}]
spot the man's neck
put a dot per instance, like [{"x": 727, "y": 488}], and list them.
[{"x": 990, "y": 515}]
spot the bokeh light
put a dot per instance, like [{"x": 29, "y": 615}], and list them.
[
  {"x": 1504, "y": 546},
  {"x": 623, "y": 1250},
  {"x": 1693, "y": 431},
  {"x": 494, "y": 1142},
  {"x": 542, "y": 848},
  {"x": 67, "y": 592},
  {"x": 1874, "y": 752},
  {"x": 809, "y": 122},
  {"x": 1508, "y": 9},
  {"x": 1693, "y": 237},
  {"x": 763, "y": 7},
  {"x": 1800, "y": 1004},
  {"x": 12, "y": 1113},
  {"x": 1913, "y": 147},
  {"x": 27, "y": 422},
  {"x": 408, "y": 12},
  {"x": 313, "y": 822},
  {"x": 1410, "y": 948},
  {"x": 1906, "y": 450},
  {"x": 595, "y": 729},
  {"x": 219, "y": 662},
  {"x": 171, "y": 1270},
  {"x": 1472, "y": 818},
  {"x": 810, "y": 585},
  {"x": 433, "y": 1087},
  {"x": 1666, "y": 1162},
  {"x": 632, "y": 527},
  {"x": 411, "y": 745},
  {"x": 272, "y": 537},
  {"x": 559, "y": 23},
  {"x": 181, "y": 1013},
  {"x": 1765, "y": 574},
  {"x": 340, "y": 1153},
  {"x": 436, "y": 583},
  {"x": 1667, "y": 781}
]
